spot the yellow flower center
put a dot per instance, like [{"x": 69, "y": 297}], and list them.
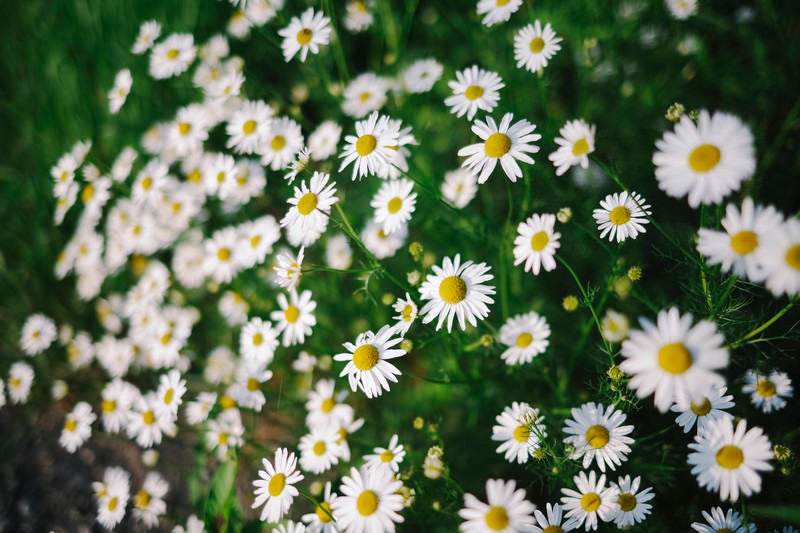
[
  {"x": 522, "y": 433},
  {"x": 112, "y": 503},
  {"x": 276, "y": 484},
  {"x": 307, "y": 203},
  {"x": 793, "y": 257},
  {"x": 366, "y": 144},
  {"x": 70, "y": 425},
  {"x": 141, "y": 499},
  {"x": 367, "y": 503},
  {"x": 675, "y": 358},
  {"x": 363, "y": 97},
  {"x": 253, "y": 384},
  {"x": 278, "y": 142},
  {"x": 223, "y": 254},
  {"x": 704, "y": 158},
  {"x": 195, "y": 176},
  {"x": 258, "y": 338},
  {"x": 327, "y": 405},
  {"x": 452, "y": 290},
  {"x": 365, "y": 357},
  {"x": 701, "y": 410},
  {"x": 524, "y": 340},
  {"x": 172, "y": 54},
  {"x": 497, "y": 145},
  {"x": 249, "y": 127},
  {"x": 14, "y": 382},
  {"x": 387, "y": 456},
  {"x": 147, "y": 182},
  {"x": 497, "y": 518},
  {"x": 553, "y": 529},
  {"x": 590, "y": 502},
  {"x": 226, "y": 402},
  {"x": 724, "y": 530},
  {"x": 744, "y": 242},
  {"x": 319, "y": 447},
  {"x": 394, "y": 205},
  {"x": 291, "y": 314},
  {"x": 619, "y": 215},
  {"x": 473, "y": 92},
  {"x": 184, "y": 128},
  {"x": 324, "y": 512},
  {"x": 108, "y": 406},
  {"x": 408, "y": 311},
  {"x": 221, "y": 177},
  {"x": 304, "y": 36},
  {"x": 539, "y": 241},
  {"x": 87, "y": 193},
  {"x": 626, "y": 502},
  {"x": 597, "y": 436},
  {"x": 730, "y": 457},
  {"x": 537, "y": 45},
  {"x": 581, "y": 147},
  {"x": 255, "y": 241},
  {"x": 149, "y": 418},
  {"x": 222, "y": 439},
  {"x": 765, "y": 388},
  {"x": 501, "y": 3},
  {"x": 168, "y": 396}
]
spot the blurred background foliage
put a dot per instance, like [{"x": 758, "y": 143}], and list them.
[{"x": 619, "y": 72}]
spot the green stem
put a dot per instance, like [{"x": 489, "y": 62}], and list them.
[
  {"x": 336, "y": 44},
  {"x": 762, "y": 327},
  {"x": 586, "y": 299}
]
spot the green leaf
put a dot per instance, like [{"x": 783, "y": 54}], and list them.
[
  {"x": 776, "y": 512},
  {"x": 221, "y": 497}
]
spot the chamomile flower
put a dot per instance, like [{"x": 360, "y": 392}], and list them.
[
  {"x": 148, "y": 32},
  {"x": 112, "y": 496},
  {"x": 171, "y": 389},
  {"x": 674, "y": 359},
  {"x": 77, "y": 427},
  {"x": 246, "y": 390},
  {"x": 225, "y": 432},
  {"x": 197, "y": 411},
  {"x": 248, "y": 128},
  {"x": 407, "y": 313},
  {"x": 709, "y": 409},
  {"x": 615, "y": 326},
  {"x": 526, "y": 336},
  {"x": 507, "y": 509},
  {"x": 575, "y": 143},
  {"x": 394, "y": 203},
  {"x": 552, "y": 523},
  {"x": 381, "y": 244},
  {"x": 309, "y": 32},
  {"x": 534, "y": 46},
  {"x": 726, "y": 459},
  {"x": 536, "y": 243},
  {"x": 290, "y": 527},
  {"x": 220, "y": 261},
  {"x": 147, "y": 424},
  {"x": 717, "y": 521},
  {"x": 389, "y": 457},
  {"x": 632, "y": 506},
  {"x": 520, "y": 430},
  {"x": 707, "y": 160},
  {"x": 781, "y": 259},
  {"x": 358, "y": 16},
  {"x": 459, "y": 187},
  {"x": 295, "y": 318},
  {"x": 148, "y": 502},
  {"x": 38, "y": 334},
  {"x": 323, "y": 141},
  {"x": 768, "y": 391},
  {"x": 372, "y": 146},
  {"x": 457, "y": 290},
  {"x": 20, "y": 379},
  {"x": 338, "y": 253},
  {"x": 596, "y": 433},
  {"x": 740, "y": 247},
  {"x": 473, "y": 89},
  {"x": 681, "y": 9},
  {"x": 285, "y": 139},
  {"x": 621, "y": 216},
  {"x": 365, "y": 93},
  {"x": 257, "y": 238},
  {"x": 275, "y": 488},
  {"x": 496, "y": 11},
  {"x": 367, "y": 365},
  {"x": 118, "y": 397},
  {"x": 311, "y": 207},
  {"x": 592, "y": 501},
  {"x": 258, "y": 340},
  {"x": 172, "y": 56},
  {"x": 324, "y": 406},
  {"x": 505, "y": 143},
  {"x": 421, "y": 76},
  {"x": 119, "y": 92},
  {"x": 288, "y": 269},
  {"x": 369, "y": 501},
  {"x": 322, "y": 519},
  {"x": 298, "y": 165}
]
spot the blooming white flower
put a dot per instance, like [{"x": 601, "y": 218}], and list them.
[
  {"x": 496, "y": 11},
  {"x": 632, "y": 506},
  {"x": 708, "y": 410},
  {"x": 394, "y": 203},
  {"x": 526, "y": 336},
  {"x": 592, "y": 501},
  {"x": 596, "y": 434},
  {"x": 768, "y": 391},
  {"x": 421, "y": 76},
  {"x": 304, "y": 34},
  {"x": 536, "y": 243},
  {"x": 389, "y": 457},
  {"x": 505, "y": 143},
  {"x": 77, "y": 427},
  {"x": 459, "y": 187},
  {"x": 507, "y": 509},
  {"x": 520, "y": 430},
  {"x": 275, "y": 488},
  {"x": 781, "y": 259},
  {"x": 172, "y": 56},
  {"x": 372, "y": 147},
  {"x": 119, "y": 92},
  {"x": 369, "y": 501},
  {"x": 622, "y": 216},
  {"x": 534, "y": 46},
  {"x": 38, "y": 333},
  {"x": 367, "y": 365},
  {"x": 148, "y": 32}
]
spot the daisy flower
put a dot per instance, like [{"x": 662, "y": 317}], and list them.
[
  {"x": 20, "y": 379},
  {"x": 681, "y": 9},
  {"x": 324, "y": 406},
  {"x": 290, "y": 527},
  {"x": 298, "y": 165},
  {"x": 536, "y": 243},
  {"x": 258, "y": 340},
  {"x": 369, "y": 501},
  {"x": 534, "y": 46},
  {"x": 148, "y": 502},
  {"x": 615, "y": 326},
  {"x": 622, "y": 216},
  {"x": 674, "y": 359},
  {"x": 372, "y": 146},
  {"x": 366, "y": 92},
  {"x": 309, "y": 32},
  {"x": 740, "y": 246},
  {"x": 389, "y": 457},
  {"x": 781, "y": 259},
  {"x": 319, "y": 449},
  {"x": 173, "y": 56},
  {"x": 288, "y": 269},
  {"x": 323, "y": 141},
  {"x": 526, "y": 337},
  {"x": 597, "y": 434},
  {"x": 146, "y": 424},
  {"x": 768, "y": 391},
  {"x": 295, "y": 317},
  {"x": 552, "y": 523},
  {"x": 407, "y": 313},
  {"x": 118, "y": 397},
  {"x": 358, "y": 17},
  {"x": 381, "y": 244},
  {"x": 520, "y": 430},
  {"x": 77, "y": 427},
  {"x": 119, "y": 92},
  {"x": 248, "y": 128},
  {"x": 367, "y": 365},
  {"x": 322, "y": 519},
  {"x": 148, "y": 32},
  {"x": 38, "y": 334},
  {"x": 275, "y": 488},
  {"x": 421, "y": 76},
  {"x": 459, "y": 187},
  {"x": 575, "y": 143},
  {"x": 631, "y": 502},
  {"x": 393, "y": 203},
  {"x": 246, "y": 390},
  {"x": 220, "y": 260},
  {"x": 257, "y": 236},
  {"x": 285, "y": 139},
  {"x": 504, "y": 143},
  {"x": 225, "y": 432},
  {"x": 112, "y": 496},
  {"x": 592, "y": 501},
  {"x": 473, "y": 89},
  {"x": 726, "y": 459},
  {"x": 496, "y": 11},
  {"x": 707, "y": 160},
  {"x": 310, "y": 207},
  {"x": 507, "y": 509},
  {"x": 457, "y": 290},
  {"x": 170, "y": 393},
  {"x": 197, "y": 411},
  {"x": 708, "y": 410},
  {"x": 717, "y": 521}
]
